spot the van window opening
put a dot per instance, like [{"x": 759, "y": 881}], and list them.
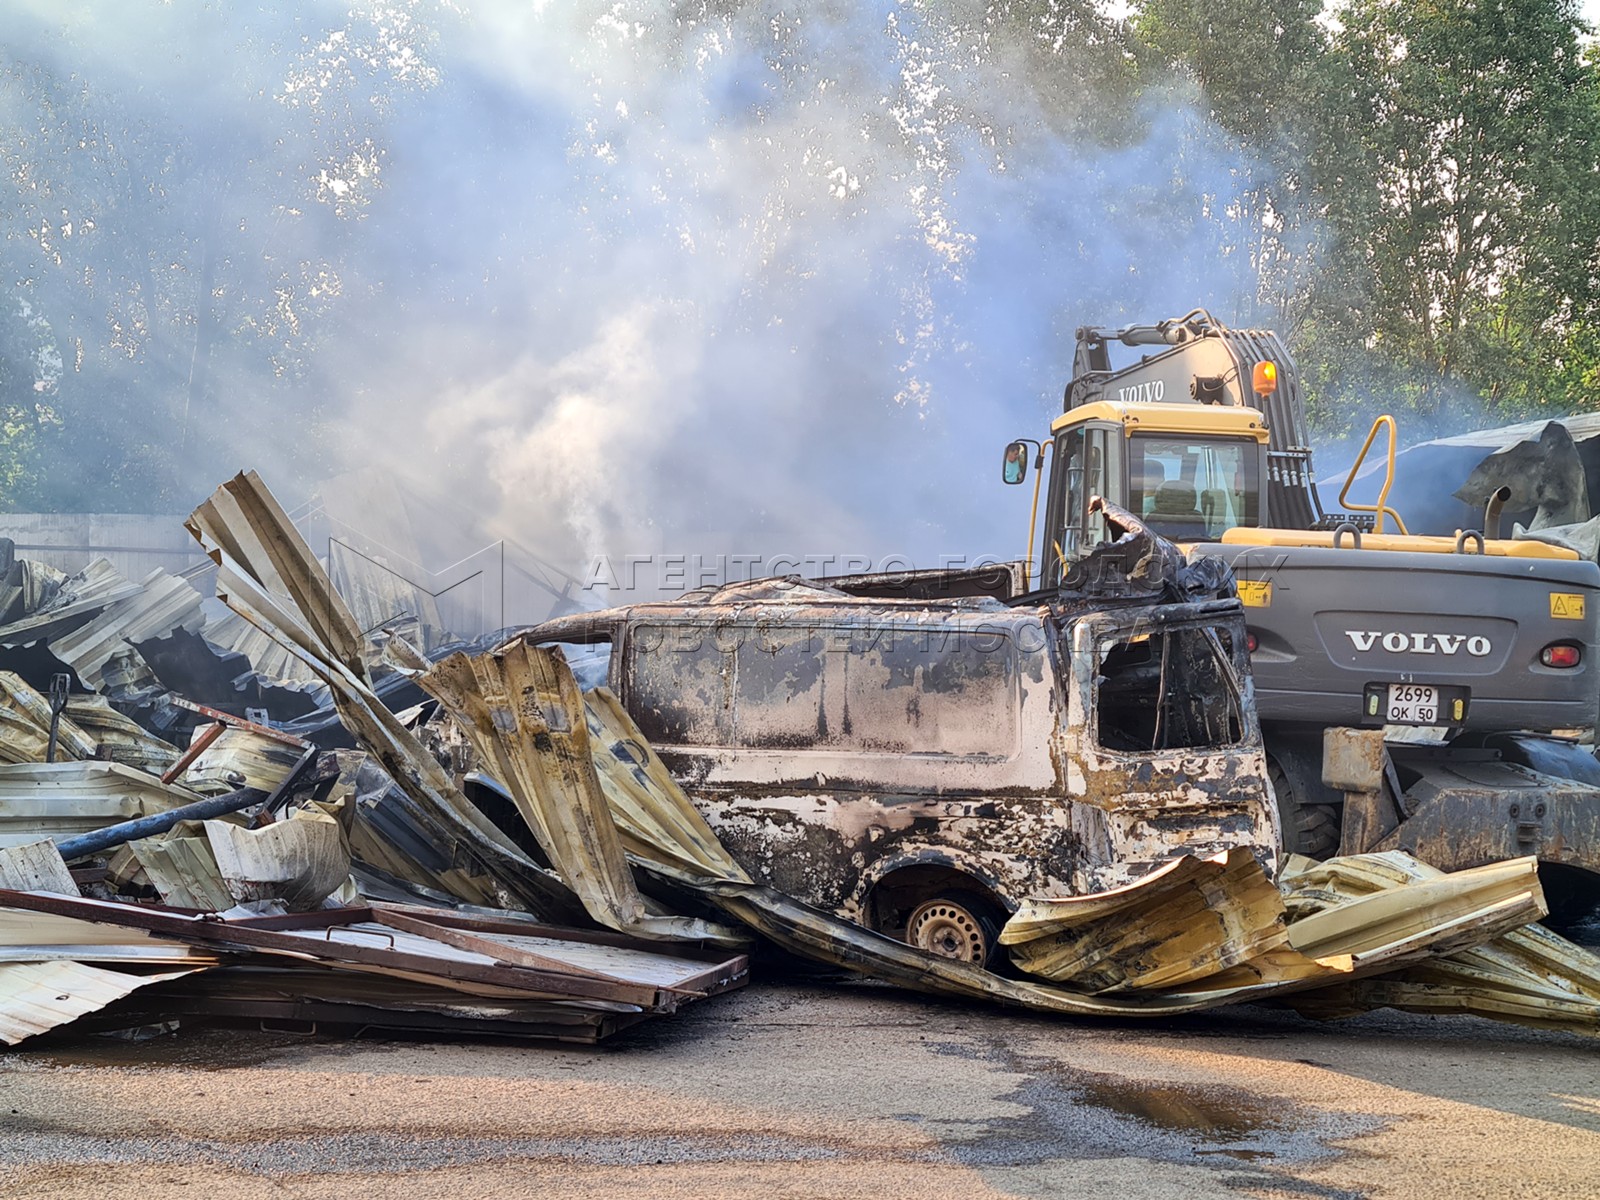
[{"x": 1198, "y": 700}]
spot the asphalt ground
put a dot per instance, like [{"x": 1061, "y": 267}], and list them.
[{"x": 819, "y": 1090}]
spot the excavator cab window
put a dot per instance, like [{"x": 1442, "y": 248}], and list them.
[
  {"x": 1190, "y": 488},
  {"x": 1064, "y": 529},
  {"x": 1087, "y": 465}
]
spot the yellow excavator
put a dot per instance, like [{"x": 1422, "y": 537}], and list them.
[{"x": 1469, "y": 652}]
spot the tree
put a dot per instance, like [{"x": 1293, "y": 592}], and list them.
[
  {"x": 1260, "y": 66},
  {"x": 1477, "y": 136}
]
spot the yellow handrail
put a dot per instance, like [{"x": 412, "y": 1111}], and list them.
[
  {"x": 1033, "y": 516},
  {"x": 1381, "y": 508}
]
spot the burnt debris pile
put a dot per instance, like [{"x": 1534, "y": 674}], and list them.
[{"x": 251, "y": 807}]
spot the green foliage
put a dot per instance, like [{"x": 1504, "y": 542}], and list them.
[
  {"x": 1442, "y": 159},
  {"x": 1479, "y": 133}
]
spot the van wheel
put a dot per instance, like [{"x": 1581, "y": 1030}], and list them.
[
  {"x": 1309, "y": 829},
  {"x": 957, "y": 926}
]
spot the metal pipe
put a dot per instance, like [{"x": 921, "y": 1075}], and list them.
[
  {"x": 142, "y": 827},
  {"x": 1491, "y": 512},
  {"x": 202, "y": 810}
]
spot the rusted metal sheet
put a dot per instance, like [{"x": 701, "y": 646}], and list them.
[
  {"x": 118, "y": 738},
  {"x": 1188, "y": 920},
  {"x": 1221, "y": 928},
  {"x": 25, "y": 725},
  {"x": 1353, "y": 760},
  {"x": 31, "y": 936},
  {"x": 239, "y": 758},
  {"x": 525, "y": 715},
  {"x": 1529, "y": 976},
  {"x": 503, "y": 958},
  {"x": 87, "y": 728},
  {"x": 267, "y": 574}
]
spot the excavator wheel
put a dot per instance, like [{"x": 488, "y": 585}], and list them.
[{"x": 1309, "y": 829}]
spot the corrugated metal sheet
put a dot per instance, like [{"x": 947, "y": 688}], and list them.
[
  {"x": 36, "y": 867},
  {"x": 520, "y": 697},
  {"x": 25, "y": 725},
  {"x": 300, "y": 861},
  {"x": 162, "y": 604},
  {"x": 118, "y": 737},
  {"x": 37, "y": 997},
  {"x": 230, "y": 631},
  {"x": 184, "y": 871},
  {"x": 27, "y": 935},
  {"x": 89, "y": 728},
  {"x": 98, "y": 586},
  {"x": 34, "y": 585},
  {"x": 268, "y": 575},
  {"x": 240, "y": 758}
]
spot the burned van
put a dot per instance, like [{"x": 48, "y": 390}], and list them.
[
  {"x": 922, "y": 752},
  {"x": 922, "y": 765}
]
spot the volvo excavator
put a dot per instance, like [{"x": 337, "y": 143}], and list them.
[{"x": 1425, "y": 693}]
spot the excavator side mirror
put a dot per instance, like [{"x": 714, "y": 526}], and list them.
[{"x": 1015, "y": 467}]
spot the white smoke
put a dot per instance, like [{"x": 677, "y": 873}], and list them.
[
  {"x": 783, "y": 280},
  {"x": 610, "y": 277}
]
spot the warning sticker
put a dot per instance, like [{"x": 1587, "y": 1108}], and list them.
[
  {"x": 1257, "y": 593},
  {"x": 1568, "y": 605}
]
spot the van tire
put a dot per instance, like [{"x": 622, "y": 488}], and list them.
[{"x": 956, "y": 925}]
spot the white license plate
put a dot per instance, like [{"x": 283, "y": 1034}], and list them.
[{"x": 1412, "y": 704}]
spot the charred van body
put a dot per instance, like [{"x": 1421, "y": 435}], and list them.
[{"x": 922, "y": 765}]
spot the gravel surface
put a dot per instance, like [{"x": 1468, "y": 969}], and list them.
[{"x": 809, "y": 1091}]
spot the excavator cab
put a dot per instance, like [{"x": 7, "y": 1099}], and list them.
[{"x": 1188, "y": 481}]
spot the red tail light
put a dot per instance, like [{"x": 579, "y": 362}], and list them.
[
  {"x": 1251, "y": 642},
  {"x": 1560, "y": 655}
]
